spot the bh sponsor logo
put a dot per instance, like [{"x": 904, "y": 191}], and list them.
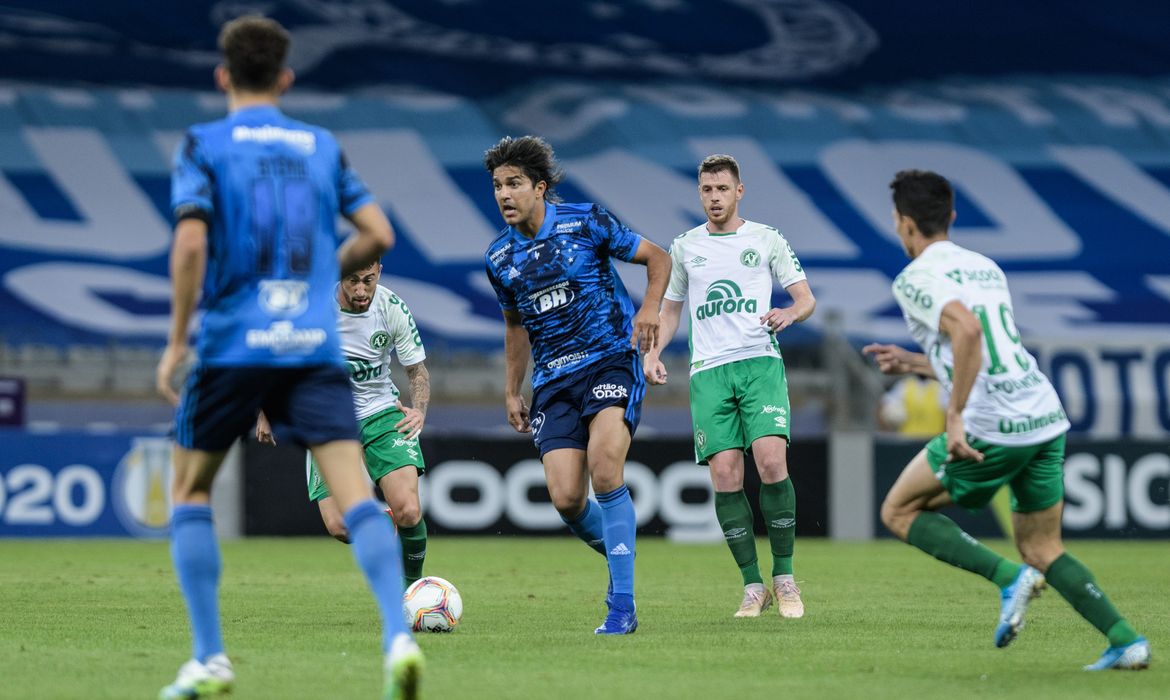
[
  {"x": 553, "y": 298},
  {"x": 610, "y": 391},
  {"x": 724, "y": 297}
]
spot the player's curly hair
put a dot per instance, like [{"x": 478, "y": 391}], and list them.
[
  {"x": 533, "y": 156},
  {"x": 926, "y": 197},
  {"x": 254, "y": 50}
]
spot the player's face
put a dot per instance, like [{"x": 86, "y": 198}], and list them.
[
  {"x": 516, "y": 195},
  {"x": 720, "y": 193},
  {"x": 357, "y": 289},
  {"x": 902, "y": 226}
]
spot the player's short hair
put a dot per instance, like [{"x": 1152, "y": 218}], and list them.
[
  {"x": 718, "y": 163},
  {"x": 254, "y": 49},
  {"x": 926, "y": 197},
  {"x": 533, "y": 156}
]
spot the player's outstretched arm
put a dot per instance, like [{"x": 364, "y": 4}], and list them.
[
  {"x": 892, "y": 359},
  {"x": 374, "y": 237},
  {"x": 415, "y": 415},
  {"x": 652, "y": 365},
  {"x": 803, "y": 303},
  {"x": 517, "y": 349},
  {"x": 646, "y": 321},
  {"x": 966, "y": 334},
  {"x": 188, "y": 264}
]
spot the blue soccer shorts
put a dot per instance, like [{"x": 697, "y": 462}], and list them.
[
  {"x": 305, "y": 405},
  {"x": 563, "y": 408}
]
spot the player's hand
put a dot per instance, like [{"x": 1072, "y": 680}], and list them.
[
  {"x": 645, "y": 336},
  {"x": 412, "y": 421},
  {"x": 654, "y": 370},
  {"x": 778, "y": 319},
  {"x": 957, "y": 447},
  {"x": 891, "y": 359},
  {"x": 264, "y": 430},
  {"x": 517, "y": 413},
  {"x": 168, "y": 368}
]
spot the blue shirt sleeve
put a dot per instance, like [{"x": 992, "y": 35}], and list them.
[
  {"x": 503, "y": 294},
  {"x": 191, "y": 180},
  {"x": 612, "y": 236},
  {"x": 352, "y": 193}
]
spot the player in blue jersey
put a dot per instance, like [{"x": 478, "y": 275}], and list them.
[
  {"x": 552, "y": 273},
  {"x": 255, "y": 197}
]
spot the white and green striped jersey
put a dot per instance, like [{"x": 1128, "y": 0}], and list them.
[
  {"x": 726, "y": 280},
  {"x": 368, "y": 341},
  {"x": 1012, "y": 402}
]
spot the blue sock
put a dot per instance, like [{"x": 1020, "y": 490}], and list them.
[
  {"x": 617, "y": 515},
  {"x": 376, "y": 549},
  {"x": 589, "y": 527},
  {"x": 195, "y": 553}
]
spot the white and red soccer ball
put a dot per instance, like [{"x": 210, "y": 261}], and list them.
[{"x": 432, "y": 604}]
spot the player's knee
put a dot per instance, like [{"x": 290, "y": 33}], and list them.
[
  {"x": 897, "y": 518},
  {"x": 569, "y": 505},
  {"x": 407, "y": 514},
  {"x": 336, "y": 528},
  {"x": 1040, "y": 555},
  {"x": 773, "y": 469}
]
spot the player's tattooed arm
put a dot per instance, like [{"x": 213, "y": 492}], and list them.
[{"x": 415, "y": 415}]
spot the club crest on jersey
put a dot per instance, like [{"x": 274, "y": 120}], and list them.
[
  {"x": 750, "y": 258},
  {"x": 284, "y": 298},
  {"x": 724, "y": 297},
  {"x": 700, "y": 439},
  {"x": 379, "y": 340}
]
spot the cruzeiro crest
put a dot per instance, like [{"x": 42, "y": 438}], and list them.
[
  {"x": 724, "y": 297},
  {"x": 379, "y": 340},
  {"x": 750, "y": 258}
]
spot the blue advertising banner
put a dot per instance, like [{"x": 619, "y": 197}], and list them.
[{"x": 84, "y": 485}]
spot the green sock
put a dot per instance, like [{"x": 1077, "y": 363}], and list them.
[
  {"x": 414, "y": 550},
  {"x": 735, "y": 518},
  {"x": 941, "y": 538},
  {"x": 778, "y": 504},
  {"x": 1075, "y": 582}
]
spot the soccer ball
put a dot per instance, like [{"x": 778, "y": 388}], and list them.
[{"x": 432, "y": 604}]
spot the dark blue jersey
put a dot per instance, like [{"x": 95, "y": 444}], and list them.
[
  {"x": 270, "y": 189},
  {"x": 563, "y": 285}
]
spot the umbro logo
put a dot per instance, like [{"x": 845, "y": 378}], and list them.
[
  {"x": 417, "y": 556},
  {"x": 697, "y": 261},
  {"x": 784, "y": 522},
  {"x": 621, "y": 550},
  {"x": 735, "y": 533}
]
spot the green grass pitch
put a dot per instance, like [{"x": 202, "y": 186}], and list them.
[{"x": 103, "y": 619}]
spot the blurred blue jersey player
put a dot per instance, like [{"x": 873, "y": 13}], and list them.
[
  {"x": 552, "y": 272},
  {"x": 255, "y": 197}
]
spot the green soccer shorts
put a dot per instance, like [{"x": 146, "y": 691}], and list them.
[
  {"x": 385, "y": 450},
  {"x": 1033, "y": 473},
  {"x": 735, "y": 404}
]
